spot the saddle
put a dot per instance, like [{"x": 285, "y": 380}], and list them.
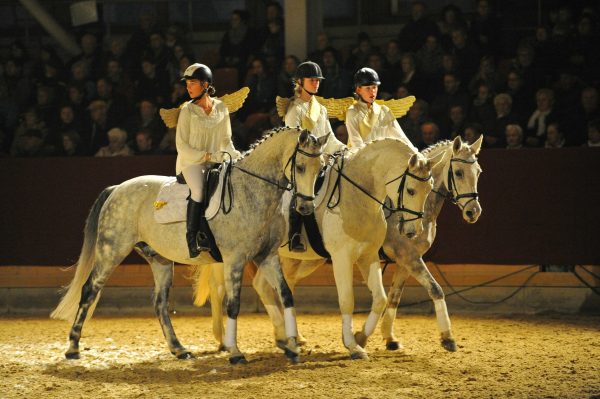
[{"x": 171, "y": 202}]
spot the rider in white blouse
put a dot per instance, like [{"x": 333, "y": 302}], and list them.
[
  {"x": 203, "y": 134},
  {"x": 366, "y": 120}
]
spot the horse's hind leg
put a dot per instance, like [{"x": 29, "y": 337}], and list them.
[
  {"x": 162, "y": 270},
  {"x": 420, "y": 272},
  {"x": 394, "y": 296},
  {"x": 217, "y": 292},
  {"x": 371, "y": 271},
  {"x": 267, "y": 296}
]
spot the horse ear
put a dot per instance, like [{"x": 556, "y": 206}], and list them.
[
  {"x": 456, "y": 144},
  {"x": 414, "y": 159},
  {"x": 476, "y": 146},
  {"x": 434, "y": 161},
  {"x": 304, "y": 134},
  {"x": 321, "y": 141}
]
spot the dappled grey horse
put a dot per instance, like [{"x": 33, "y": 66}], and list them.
[{"x": 122, "y": 219}]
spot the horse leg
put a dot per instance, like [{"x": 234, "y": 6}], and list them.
[
  {"x": 217, "y": 292},
  {"x": 106, "y": 260},
  {"x": 295, "y": 270},
  {"x": 342, "y": 272},
  {"x": 233, "y": 272},
  {"x": 371, "y": 271},
  {"x": 162, "y": 270},
  {"x": 394, "y": 296},
  {"x": 420, "y": 272},
  {"x": 270, "y": 273}
]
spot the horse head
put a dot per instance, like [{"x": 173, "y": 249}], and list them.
[
  {"x": 415, "y": 185},
  {"x": 306, "y": 163},
  {"x": 461, "y": 174}
]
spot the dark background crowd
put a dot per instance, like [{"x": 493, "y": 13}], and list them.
[{"x": 541, "y": 91}]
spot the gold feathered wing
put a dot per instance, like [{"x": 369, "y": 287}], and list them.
[
  {"x": 336, "y": 107},
  {"x": 282, "y": 104},
  {"x": 399, "y": 107},
  {"x": 233, "y": 101}
]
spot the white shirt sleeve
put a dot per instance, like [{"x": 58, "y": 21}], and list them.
[
  {"x": 352, "y": 120},
  {"x": 182, "y": 139}
]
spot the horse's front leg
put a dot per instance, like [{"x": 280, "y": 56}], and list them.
[
  {"x": 233, "y": 272},
  {"x": 420, "y": 272},
  {"x": 370, "y": 269},
  {"x": 162, "y": 269},
  {"x": 342, "y": 272},
  {"x": 270, "y": 272},
  {"x": 395, "y": 294}
]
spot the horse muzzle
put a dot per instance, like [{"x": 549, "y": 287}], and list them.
[{"x": 305, "y": 207}]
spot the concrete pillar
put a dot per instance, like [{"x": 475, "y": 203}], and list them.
[{"x": 303, "y": 21}]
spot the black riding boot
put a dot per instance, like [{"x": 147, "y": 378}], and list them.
[
  {"x": 192, "y": 224},
  {"x": 202, "y": 240},
  {"x": 294, "y": 233}
]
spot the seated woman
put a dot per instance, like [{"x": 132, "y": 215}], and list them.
[{"x": 203, "y": 135}]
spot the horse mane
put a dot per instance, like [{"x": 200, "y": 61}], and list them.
[
  {"x": 266, "y": 135},
  {"x": 435, "y": 148}
]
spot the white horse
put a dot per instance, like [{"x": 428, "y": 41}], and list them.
[
  {"x": 353, "y": 228},
  {"x": 454, "y": 178},
  {"x": 122, "y": 219}
]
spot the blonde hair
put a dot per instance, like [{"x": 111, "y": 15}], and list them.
[{"x": 117, "y": 133}]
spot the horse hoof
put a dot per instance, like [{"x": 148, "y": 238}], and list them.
[
  {"x": 281, "y": 344},
  {"x": 293, "y": 357},
  {"x": 185, "y": 355},
  {"x": 72, "y": 355},
  {"x": 449, "y": 345},
  {"x": 222, "y": 348},
  {"x": 361, "y": 338},
  {"x": 239, "y": 359},
  {"x": 359, "y": 355},
  {"x": 393, "y": 346}
]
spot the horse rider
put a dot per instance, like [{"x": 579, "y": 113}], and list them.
[
  {"x": 305, "y": 111},
  {"x": 203, "y": 134},
  {"x": 367, "y": 120}
]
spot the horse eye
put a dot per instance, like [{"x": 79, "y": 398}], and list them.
[
  {"x": 459, "y": 173},
  {"x": 410, "y": 191},
  {"x": 300, "y": 168}
]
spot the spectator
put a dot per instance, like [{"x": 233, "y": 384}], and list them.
[
  {"x": 153, "y": 83},
  {"x": 495, "y": 133},
  {"x": 587, "y": 110},
  {"x": 32, "y": 144},
  {"x": 118, "y": 107},
  {"x": 456, "y": 122},
  {"x": 94, "y": 136},
  {"x": 80, "y": 76},
  {"x": 337, "y": 82},
  {"x": 140, "y": 40},
  {"x": 430, "y": 134},
  {"x": 117, "y": 144},
  {"x": 273, "y": 45},
  {"x": 485, "y": 74},
  {"x": 593, "y": 133},
  {"x": 393, "y": 55},
  {"x": 482, "y": 109},
  {"x": 91, "y": 55},
  {"x": 412, "y": 121},
  {"x": 179, "y": 94},
  {"x": 554, "y": 136},
  {"x": 485, "y": 28},
  {"x": 522, "y": 99},
  {"x": 158, "y": 52},
  {"x": 341, "y": 132},
  {"x": 389, "y": 80},
  {"x": 144, "y": 143},
  {"x": 69, "y": 120},
  {"x": 472, "y": 132},
  {"x": 322, "y": 44},
  {"x": 237, "y": 43},
  {"x": 360, "y": 53},
  {"x": 453, "y": 95},
  {"x": 262, "y": 90},
  {"x": 429, "y": 57},
  {"x": 147, "y": 118},
  {"x": 466, "y": 52},
  {"x": 514, "y": 137},
  {"x": 411, "y": 78},
  {"x": 168, "y": 144},
  {"x": 415, "y": 31},
  {"x": 30, "y": 120},
  {"x": 120, "y": 80},
  {"x": 285, "y": 79},
  {"x": 70, "y": 144},
  {"x": 451, "y": 19},
  {"x": 543, "y": 115}
]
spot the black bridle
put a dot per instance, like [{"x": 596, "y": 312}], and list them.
[
  {"x": 453, "y": 195},
  {"x": 401, "y": 208},
  {"x": 291, "y": 184}
]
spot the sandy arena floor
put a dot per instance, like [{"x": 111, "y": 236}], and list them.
[{"x": 519, "y": 357}]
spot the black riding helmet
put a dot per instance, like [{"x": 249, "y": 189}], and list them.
[
  {"x": 366, "y": 77},
  {"x": 309, "y": 70},
  {"x": 198, "y": 71}
]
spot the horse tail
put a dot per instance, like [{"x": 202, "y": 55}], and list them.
[
  {"x": 69, "y": 304},
  {"x": 201, "y": 283}
]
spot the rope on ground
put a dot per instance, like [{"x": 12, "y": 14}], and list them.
[{"x": 596, "y": 291}]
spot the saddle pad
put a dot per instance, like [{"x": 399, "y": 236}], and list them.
[{"x": 171, "y": 202}]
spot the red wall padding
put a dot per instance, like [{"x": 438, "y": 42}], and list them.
[{"x": 539, "y": 206}]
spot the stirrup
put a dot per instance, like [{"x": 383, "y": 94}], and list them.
[
  {"x": 202, "y": 242},
  {"x": 295, "y": 244}
]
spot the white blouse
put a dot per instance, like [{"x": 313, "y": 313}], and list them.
[
  {"x": 199, "y": 133},
  {"x": 383, "y": 125},
  {"x": 297, "y": 115}
]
